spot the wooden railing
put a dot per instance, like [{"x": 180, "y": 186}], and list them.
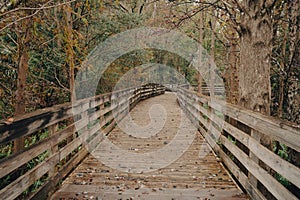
[
  {"x": 219, "y": 90},
  {"x": 205, "y": 89},
  {"x": 235, "y": 135},
  {"x": 57, "y": 139}
]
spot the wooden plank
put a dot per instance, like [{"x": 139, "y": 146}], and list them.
[
  {"x": 257, "y": 151},
  {"x": 253, "y": 192},
  {"x": 51, "y": 185},
  {"x": 264, "y": 124},
  {"x": 82, "y": 123},
  {"x": 18, "y": 160},
  {"x": 54, "y": 147},
  {"x": 80, "y": 107},
  {"x": 34, "y": 123},
  {"x": 283, "y": 167},
  {"x": 14, "y": 189},
  {"x": 278, "y": 190},
  {"x": 256, "y": 136},
  {"x": 274, "y": 161},
  {"x": 189, "y": 171},
  {"x": 50, "y": 117},
  {"x": 11, "y": 163},
  {"x": 33, "y": 114},
  {"x": 80, "y": 140},
  {"x": 245, "y": 140},
  {"x": 63, "y": 152},
  {"x": 289, "y": 135}
]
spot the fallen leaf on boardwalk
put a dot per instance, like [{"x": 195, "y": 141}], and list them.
[{"x": 9, "y": 121}]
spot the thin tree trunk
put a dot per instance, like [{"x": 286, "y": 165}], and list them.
[
  {"x": 20, "y": 107},
  {"x": 57, "y": 21},
  {"x": 201, "y": 36},
  {"x": 154, "y": 10},
  {"x": 69, "y": 50},
  {"x": 212, "y": 53},
  {"x": 21, "y": 82},
  {"x": 70, "y": 60}
]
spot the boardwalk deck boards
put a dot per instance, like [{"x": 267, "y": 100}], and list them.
[{"x": 189, "y": 177}]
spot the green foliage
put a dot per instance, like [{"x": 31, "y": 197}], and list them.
[
  {"x": 282, "y": 180},
  {"x": 6, "y": 150},
  {"x": 231, "y": 139},
  {"x": 37, "y": 160},
  {"x": 8, "y": 73},
  {"x": 29, "y": 141},
  {"x": 282, "y": 151}
]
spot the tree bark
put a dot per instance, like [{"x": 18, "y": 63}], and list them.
[
  {"x": 294, "y": 72},
  {"x": 232, "y": 75},
  {"x": 21, "y": 82},
  {"x": 212, "y": 52},
  {"x": 23, "y": 37},
  {"x": 256, "y": 33},
  {"x": 201, "y": 36},
  {"x": 282, "y": 77},
  {"x": 57, "y": 21},
  {"x": 20, "y": 104},
  {"x": 255, "y": 52},
  {"x": 69, "y": 49},
  {"x": 293, "y": 110}
]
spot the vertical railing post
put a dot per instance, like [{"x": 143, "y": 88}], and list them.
[
  {"x": 257, "y": 136},
  {"x": 101, "y": 107},
  {"x": 85, "y": 117},
  {"x": 54, "y": 147},
  {"x": 19, "y": 144}
]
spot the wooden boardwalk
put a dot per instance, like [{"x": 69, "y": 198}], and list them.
[{"x": 190, "y": 171}]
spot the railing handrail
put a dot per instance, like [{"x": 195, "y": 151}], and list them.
[
  {"x": 216, "y": 130},
  {"x": 64, "y": 147},
  {"x": 241, "y": 113}
]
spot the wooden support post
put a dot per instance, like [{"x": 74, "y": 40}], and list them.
[
  {"x": 255, "y": 135},
  {"x": 19, "y": 144},
  {"x": 101, "y": 118},
  {"x": 54, "y": 147},
  {"x": 71, "y": 137},
  {"x": 85, "y": 117}
]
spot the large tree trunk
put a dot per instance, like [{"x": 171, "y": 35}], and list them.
[
  {"x": 294, "y": 72},
  {"x": 293, "y": 109},
  {"x": 230, "y": 75},
  {"x": 255, "y": 51},
  {"x": 282, "y": 77},
  {"x": 256, "y": 33}
]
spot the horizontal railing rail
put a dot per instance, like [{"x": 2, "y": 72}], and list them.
[
  {"x": 206, "y": 89},
  {"x": 57, "y": 139},
  {"x": 235, "y": 134}
]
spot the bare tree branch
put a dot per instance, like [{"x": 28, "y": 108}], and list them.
[
  {"x": 26, "y": 17},
  {"x": 37, "y": 8},
  {"x": 43, "y": 7}
]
